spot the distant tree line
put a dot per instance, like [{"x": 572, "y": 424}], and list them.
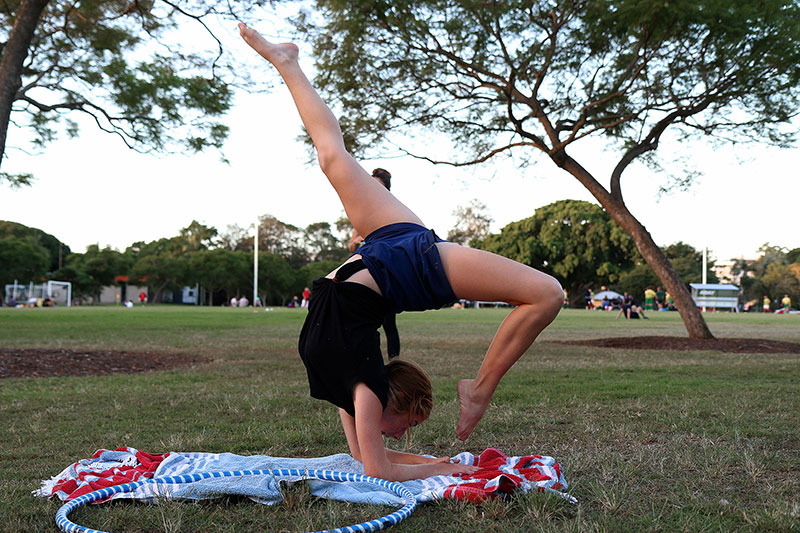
[
  {"x": 575, "y": 241},
  {"x": 578, "y": 243},
  {"x": 221, "y": 263}
]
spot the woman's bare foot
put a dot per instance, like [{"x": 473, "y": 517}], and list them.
[
  {"x": 276, "y": 54},
  {"x": 472, "y": 408}
]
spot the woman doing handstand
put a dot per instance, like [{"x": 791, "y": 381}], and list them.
[{"x": 401, "y": 267}]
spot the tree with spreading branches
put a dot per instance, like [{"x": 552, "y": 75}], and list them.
[
  {"x": 524, "y": 77},
  {"x": 120, "y": 64}
]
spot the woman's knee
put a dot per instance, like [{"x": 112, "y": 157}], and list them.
[{"x": 545, "y": 293}]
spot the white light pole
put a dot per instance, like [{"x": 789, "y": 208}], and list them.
[
  {"x": 255, "y": 266},
  {"x": 705, "y": 265}
]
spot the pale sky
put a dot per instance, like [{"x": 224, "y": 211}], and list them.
[{"x": 93, "y": 190}]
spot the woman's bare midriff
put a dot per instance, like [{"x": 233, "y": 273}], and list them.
[{"x": 362, "y": 277}]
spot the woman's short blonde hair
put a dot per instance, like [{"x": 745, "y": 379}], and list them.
[{"x": 410, "y": 391}]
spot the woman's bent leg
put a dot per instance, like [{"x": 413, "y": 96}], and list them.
[
  {"x": 479, "y": 275},
  {"x": 368, "y": 204}
]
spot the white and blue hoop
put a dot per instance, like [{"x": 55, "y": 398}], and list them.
[{"x": 410, "y": 502}]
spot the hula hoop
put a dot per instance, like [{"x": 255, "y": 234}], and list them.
[{"x": 410, "y": 502}]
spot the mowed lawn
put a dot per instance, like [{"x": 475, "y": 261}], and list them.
[{"x": 649, "y": 440}]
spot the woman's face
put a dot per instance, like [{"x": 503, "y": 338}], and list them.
[{"x": 394, "y": 424}]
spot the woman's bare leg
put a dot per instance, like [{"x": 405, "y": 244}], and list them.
[
  {"x": 368, "y": 204},
  {"x": 479, "y": 275}
]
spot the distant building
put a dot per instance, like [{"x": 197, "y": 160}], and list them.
[
  {"x": 731, "y": 271},
  {"x": 715, "y": 295},
  {"x": 118, "y": 294}
]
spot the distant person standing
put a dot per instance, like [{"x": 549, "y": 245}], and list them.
[
  {"x": 306, "y": 296},
  {"x": 786, "y": 303},
  {"x": 142, "y": 297},
  {"x": 649, "y": 299},
  {"x": 765, "y": 304},
  {"x": 589, "y": 298},
  {"x": 661, "y": 302}
]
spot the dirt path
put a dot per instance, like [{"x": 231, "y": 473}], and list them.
[
  {"x": 35, "y": 362},
  {"x": 684, "y": 343}
]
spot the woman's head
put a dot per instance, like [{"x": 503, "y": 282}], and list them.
[
  {"x": 384, "y": 176},
  {"x": 410, "y": 393}
]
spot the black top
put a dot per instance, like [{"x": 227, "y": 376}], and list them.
[{"x": 339, "y": 342}]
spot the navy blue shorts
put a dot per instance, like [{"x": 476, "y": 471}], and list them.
[{"x": 405, "y": 263}]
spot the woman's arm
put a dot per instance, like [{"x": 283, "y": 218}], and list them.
[
  {"x": 349, "y": 425},
  {"x": 392, "y": 335},
  {"x": 413, "y": 459},
  {"x": 355, "y": 241},
  {"x": 371, "y": 451}
]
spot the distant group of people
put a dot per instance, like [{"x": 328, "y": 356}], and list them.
[
  {"x": 240, "y": 302},
  {"x": 243, "y": 301},
  {"x": 654, "y": 300},
  {"x": 786, "y": 304},
  {"x": 297, "y": 302},
  {"x": 657, "y": 300},
  {"x": 33, "y": 301}
]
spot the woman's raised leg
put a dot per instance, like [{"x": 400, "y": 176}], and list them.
[
  {"x": 367, "y": 203},
  {"x": 484, "y": 276}
]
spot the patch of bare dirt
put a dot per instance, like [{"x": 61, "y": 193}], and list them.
[
  {"x": 733, "y": 345},
  {"x": 36, "y": 362}
]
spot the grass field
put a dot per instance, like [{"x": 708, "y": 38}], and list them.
[{"x": 649, "y": 440}]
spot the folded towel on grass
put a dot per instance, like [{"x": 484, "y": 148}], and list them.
[{"x": 498, "y": 474}]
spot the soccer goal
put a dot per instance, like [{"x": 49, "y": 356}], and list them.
[{"x": 60, "y": 292}]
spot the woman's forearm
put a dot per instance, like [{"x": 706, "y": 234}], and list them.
[
  {"x": 412, "y": 459},
  {"x": 405, "y": 472}
]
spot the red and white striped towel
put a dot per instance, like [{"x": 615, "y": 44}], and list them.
[{"x": 497, "y": 474}]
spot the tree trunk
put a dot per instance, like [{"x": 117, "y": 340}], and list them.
[
  {"x": 14, "y": 53},
  {"x": 690, "y": 313},
  {"x": 210, "y": 297}
]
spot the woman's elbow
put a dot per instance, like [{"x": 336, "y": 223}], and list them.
[{"x": 380, "y": 472}]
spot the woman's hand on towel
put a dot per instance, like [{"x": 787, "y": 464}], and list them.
[
  {"x": 453, "y": 469},
  {"x": 450, "y": 467}
]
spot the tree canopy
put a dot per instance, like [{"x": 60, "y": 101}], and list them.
[
  {"x": 775, "y": 273},
  {"x": 93, "y": 270},
  {"x": 539, "y": 76},
  {"x": 575, "y": 241},
  {"x": 22, "y": 259},
  {"x": 56, "y": 250},
  {"x": 472, "y": 223},
  {"x": 120, "y": 64}
]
